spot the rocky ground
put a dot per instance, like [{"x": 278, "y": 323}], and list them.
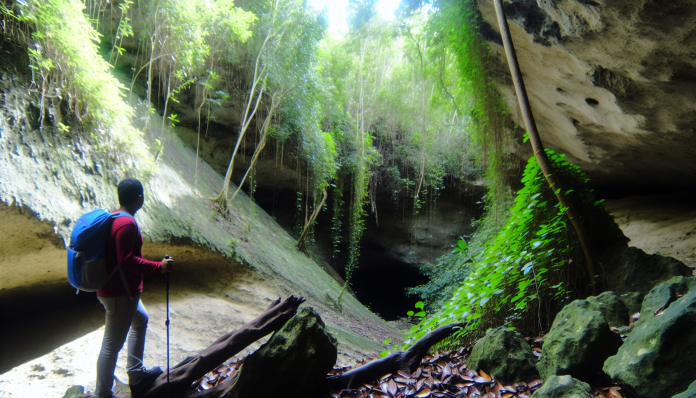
[{"x": 594, "y": 349}]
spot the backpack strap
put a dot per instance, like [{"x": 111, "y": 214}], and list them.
[{"x": 123, "y": 279}]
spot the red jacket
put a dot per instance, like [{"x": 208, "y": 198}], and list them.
[{"x": 124, "y": 247}]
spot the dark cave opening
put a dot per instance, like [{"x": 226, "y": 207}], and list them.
[{"x": 379, "y": 282}]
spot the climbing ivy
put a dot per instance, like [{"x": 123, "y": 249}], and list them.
[{"x": 534, "y": 264}]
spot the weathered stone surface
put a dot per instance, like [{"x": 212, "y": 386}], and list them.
[
  {"x": 656, "y": 360},
  {"x": 690, "y": 393},
  {"x": 632, "y": 301},
  {"x": 630, "y": 269},
  {"x": 505, "y": 355},
  {"x": 74, "y": 391},
  {"x": 578, "y": 344},
  {"x": 563, "y": 387},
  {"x": 297, "y": 359},
  {"x": 611, "y": 306}
]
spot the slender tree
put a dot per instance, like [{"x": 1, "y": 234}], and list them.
[{"x": 538, "y": 146}]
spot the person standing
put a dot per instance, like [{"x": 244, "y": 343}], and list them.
[{"x": 126, "y": 316}]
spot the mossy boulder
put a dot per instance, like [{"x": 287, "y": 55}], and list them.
[
  {"x": 630, "y": 269},
  {"x": 611, "y": 306},
  {"x": 563, "y": 387},
  {"x": 74, "y": 392},
  {"x": 505, "y": 355},
  {"x": 632, "y": 301},
  {"x": 656, "y": 360},
  {"x": 295, "y": 360},
  {"x": 579, "y": 342},
  {"x": 690, "y": 393}
]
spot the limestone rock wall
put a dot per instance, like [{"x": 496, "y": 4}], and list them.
[{"x": 612, "y": 84}]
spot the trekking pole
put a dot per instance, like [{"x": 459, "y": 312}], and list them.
[{"x": 166, "y": 277}]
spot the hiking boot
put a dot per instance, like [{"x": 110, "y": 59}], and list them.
[{"x": 148, "y": 378}]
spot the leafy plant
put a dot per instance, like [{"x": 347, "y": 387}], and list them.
[{"x": 534, "y": 264}]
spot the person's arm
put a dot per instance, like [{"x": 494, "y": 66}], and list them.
[{"x": 125, "y": 248}]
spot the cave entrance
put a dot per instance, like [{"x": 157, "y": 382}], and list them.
[{"x": 380, "y": 283}]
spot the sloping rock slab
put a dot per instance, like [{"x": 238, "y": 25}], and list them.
[
  {"x": 578, "y": 344},
  {"x": 657, "y": 358},
  {"x": 505, "y": 355},
  {"x": 293, "y": 363},
  {"x": 611, "y": 306},
  {"x": 563, "y": 387},
  {"x": 630, "y": 269}
]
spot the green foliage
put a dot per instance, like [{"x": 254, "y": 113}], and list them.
[
  {"x": 535, "y": 263},
  {"x": 66, "y": 66},
  {"x": 452, "y": 269}
]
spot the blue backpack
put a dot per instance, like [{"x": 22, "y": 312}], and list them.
[{"x": 87, "y": 251}]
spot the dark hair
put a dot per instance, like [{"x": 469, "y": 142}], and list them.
[{"x": 128, "y": 191}]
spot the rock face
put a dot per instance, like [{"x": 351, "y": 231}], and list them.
[
  {"x": 563, "y": 387},
  {"x": 656, "y": 360},
  {"x": 690, "y": 393},
  {"x": 578, "y": 344},
  {"x": 659, "y": 223},
  {"x": 630, "y": 269},
  {"x": 505, "y": 355},
  {"x": 632, "y": 301},
  {"x": 611, "y": 306},
  {"x": 298, "y": 357},
  {"x": 611, "y": 84}
]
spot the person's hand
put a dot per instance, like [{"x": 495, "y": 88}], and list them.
[{"x": 167, "y": 264}]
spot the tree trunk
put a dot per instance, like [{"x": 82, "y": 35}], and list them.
[
  {"x": 538, "y": 146},
  {"x": 400, "y": 360},
  {"x": 193, "y": 368}
]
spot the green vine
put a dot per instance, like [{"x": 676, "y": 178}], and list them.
[{"x": 535, "y": 264}]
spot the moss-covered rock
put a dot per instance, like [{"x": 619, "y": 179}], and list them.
[
  {"x": 578, "y": 344},
  {"x": 632, "y": 301},
  {"x": 563, "y": 387},
  {"x": 295, "y": 360},
  {"x": 505, "y": 355},
  {"x": 690, "y": 393},
  {"x": 611, "y": 306},
  {"x": 74, "y": 391},
  {"x": 630, "y": 269},
  {"x": 656, "y": 359}
]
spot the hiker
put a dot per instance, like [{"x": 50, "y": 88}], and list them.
[{"x": 125, "y": 313}]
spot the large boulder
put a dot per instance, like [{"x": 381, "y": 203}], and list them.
[
  {"x": 690, "y": 393},
  {"x": 611, "y": 306},
  {"x": 632, "y": 301},
  {"x": 293, "y": 363},
  {"x": 630, "y": 269},
  {"x": 505, "y": 355},
  {"x": 579, "y": 342},
  {"x": 563, "y": 387},
  {"x": 656, "y": 360}
]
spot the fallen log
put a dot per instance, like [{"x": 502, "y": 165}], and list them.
[
  {"x": 193, "y": 368},
  {"x": 408, "y": 361}
]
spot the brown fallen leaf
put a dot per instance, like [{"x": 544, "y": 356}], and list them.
[
  {"x": 615, "y": 392},
  {"x": 391, "y": 388},
  {"x": 537, "y": 349},
  {"x": 424, "y": 393},
  {"x": 507, "y": 395},
  {"x": 537, "y": 383},
  {"x": 634, "y": 317}
]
